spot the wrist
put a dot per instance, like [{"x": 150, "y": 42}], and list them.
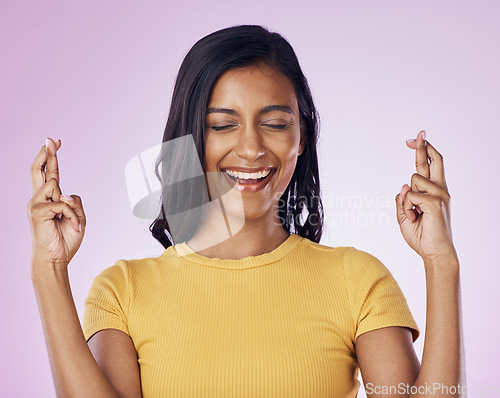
[
  {"x": 442, "y": 265},
  {"x": 448, "y": 256},
  {"x": 46, "y": 272}
]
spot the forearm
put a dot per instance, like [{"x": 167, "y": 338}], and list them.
[
  {"x": 75, "y": 371},
  {"x": 443, "y": 359}
]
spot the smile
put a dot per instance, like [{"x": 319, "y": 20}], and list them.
[
  {"x": 247, "y": 176},
  {"x": 249, "y": 182}
]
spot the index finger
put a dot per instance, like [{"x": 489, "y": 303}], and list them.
[{"x": 436, "y": 167}]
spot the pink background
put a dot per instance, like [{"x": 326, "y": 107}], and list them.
[{"x": 99, "y": 75}]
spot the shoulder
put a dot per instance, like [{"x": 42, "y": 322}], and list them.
[
  {"x": 367, "y": 278},
  {"x": 356, "y": 267},
  {"x": 359, "y": 269},
  {"x": 127, "y": 270},
  {"x": 310, "y": 246},
  {"x": 361, "y": 262},
  {"x": 363, "y": 272},
  {"x": 118, "y": 272},
  {"x": 352, "y": 258}
]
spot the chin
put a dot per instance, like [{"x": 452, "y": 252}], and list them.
[{"x": 236, "y": 206}]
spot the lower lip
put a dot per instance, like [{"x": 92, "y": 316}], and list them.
[{"x": 244, "y": 186}]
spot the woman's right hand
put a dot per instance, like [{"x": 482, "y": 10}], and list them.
[{"x": 54, "y": 240}]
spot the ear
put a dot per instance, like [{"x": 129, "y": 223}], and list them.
[{"x": 302, "y": 143}]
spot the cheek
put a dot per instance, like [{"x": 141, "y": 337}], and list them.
[
  {"x": 288, "y": 164},
  {"x": 290, "y": 153},
  {"x": 214, "y": 151},
  {"x": 287, "y": 153}
]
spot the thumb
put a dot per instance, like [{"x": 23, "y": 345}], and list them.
[
  {"x": 75, "y": 202},
  {"x": 400, "y": 212}
]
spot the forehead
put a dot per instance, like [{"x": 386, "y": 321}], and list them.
[{"x": 256, "y": 85}]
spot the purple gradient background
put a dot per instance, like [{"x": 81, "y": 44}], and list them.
[{"x": 99, "y": 76}]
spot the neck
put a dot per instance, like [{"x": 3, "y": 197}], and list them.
[{"x": 229, "y": 238}]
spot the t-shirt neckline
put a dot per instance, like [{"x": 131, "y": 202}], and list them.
[{"x": 183, "y": 250}]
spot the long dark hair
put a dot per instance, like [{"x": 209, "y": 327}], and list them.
[{"x": 233, "y": 47}]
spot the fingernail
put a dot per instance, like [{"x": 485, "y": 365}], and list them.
[
  {"x": 423, "y": 134},
  {"x": 59, "y": 215},
  {"x": 47, "y": 142},
  {"x": 68, "y": 198},
  {"x": 79, "y": 227},
  {"x": 410, "y": 141}
]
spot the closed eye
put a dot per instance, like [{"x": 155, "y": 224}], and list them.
[
  {"x": 219, "y": 128},
  {"x": 273, "y": 126},
  {"x": 277, "y": 126}
]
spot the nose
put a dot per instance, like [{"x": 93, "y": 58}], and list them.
[{"x": 249, "y": 146}]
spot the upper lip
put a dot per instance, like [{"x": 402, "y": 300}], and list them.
[{"x": 248, "y": 169}]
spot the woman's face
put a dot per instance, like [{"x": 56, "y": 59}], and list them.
[{"x": 253, "y": 139}]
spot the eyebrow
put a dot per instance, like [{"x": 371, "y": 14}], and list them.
[{"x": 266, "y": 109}]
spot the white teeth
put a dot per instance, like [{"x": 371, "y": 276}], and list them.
[{"x": 248, "y": 176}]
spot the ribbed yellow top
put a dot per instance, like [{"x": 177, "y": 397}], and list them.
[{"x": 281, "y": 324}]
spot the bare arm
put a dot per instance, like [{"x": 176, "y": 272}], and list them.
[
  {"x": 423, "y": 215},
  {"x": 443, "y": 355},
  {"x": 387, "y": 358},
  {"x": 116, "y": 356},
  {"x": 55, "y": 241},
  {"x": 75, "y": 371}
]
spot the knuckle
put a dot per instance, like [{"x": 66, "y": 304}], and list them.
[
  {"x": 33, "y": 211},
  {"x": 53, "y": 184},
  {"x": 34, "y": 167},
  {"x": 52, "y": 181},
  {"x": 415, "y": 177},
  {"x": 30, "y": 203}
]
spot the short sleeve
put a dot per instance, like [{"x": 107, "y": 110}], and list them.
[
  {"x": 106, "y": 306},
  {"x": 375, "y": 298}
]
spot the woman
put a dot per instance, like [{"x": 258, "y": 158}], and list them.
[{"x": 244, "y": 301}]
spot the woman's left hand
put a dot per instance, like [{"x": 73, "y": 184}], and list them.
[{"x": 427, "y": 228}]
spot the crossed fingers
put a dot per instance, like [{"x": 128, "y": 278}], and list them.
[
  {"x": 45, "y": 165},
  {"x": 429, "y": 164}
]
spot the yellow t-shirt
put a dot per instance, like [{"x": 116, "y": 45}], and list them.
[{"x": 281, "y": 324}]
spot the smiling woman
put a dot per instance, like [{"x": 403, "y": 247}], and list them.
[
  {"x": 253, "y": 140},
  {"x": 242, "y": 87},
  {"x": 259, "y": 310}
]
